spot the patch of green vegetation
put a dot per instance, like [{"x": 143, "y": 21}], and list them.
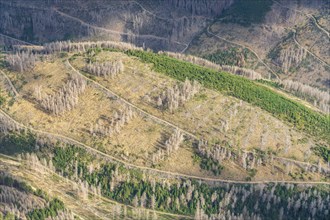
[
  {"x": 245, "y": 12},
  {"x": 63, "y": 54},
  {"x": 227, "y": 57},
  {"x": 273, "y": 84},
  {"x": 274, "y": 53},
  {"x": 41, "y": 194},
  {"x": 196, "y": 158},
  {"x": 68, "y": 36},
  {"x": 284, "y": 192},
  {"x": 11, "y": 101},
  {"x": 74, "y": 56},
  {"x": 211, "y": 165},
  {"x": 251, "y": 173},
  {"x": 62, "y": 158},
  {"x": 92, "y": 53},
  {"x": 51, "y": 210},
  {"x": 92, "y": 77},
  {"x": 36, "y": 76},
  {"x": 200, "y": 97},
  {"x": 2, "y": 99},
  {"x": 16, "y": 143},
  {"x": 297, "y": 175},
  {"x": 323, "y": 152},
  {"x": 208, "y": 164},
  {"x": 7, "y": 216},
  {"x": 2, "y": 60},
  {"x": 302, "y": 140},
  {"x": 76, "y": 163},
  {"x": 6, "y": 180},
  {"x": 66, "y": 157},
  {"x": 126, "y": 191},
  {"x": 296, "y": 114}
]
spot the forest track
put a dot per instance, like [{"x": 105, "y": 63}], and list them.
[
  {"x": 152, "y": 170},
  {"x": 10, "y": 83},
  {"x": 244, "y": 46},
  {"x": 160, "y": 120},
  {"x": 172, "y": 19},
  {"x": 132, "y": 105},
  {"x": 310, "y": 16},
  {"x": 113, "y": 31},
  {"x": 168, "y": 19},
  {"x": 318, "y": 25},
  {"x": 192, "y": 39},
  {"x": 11, "y": 162},
  {"x": 18, "y": 40},
  {"x": 16, "y": 162},
  {"x": 308, "y": 51},
  {"x": 154, "y": 118}
]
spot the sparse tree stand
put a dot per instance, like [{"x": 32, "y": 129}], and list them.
[
  {"x": 20, "y": 201},
  {"x": 21, "y": 61},
  {"x": 321, "y": 99},
  {"x": 291, "y": 56},
  {"x": 132, "y": 186},
  {"x": 107, "y": 69},
  {"x": 65, "y": 99},
  {"x": 176, "y": 96},
  {"x": 117, "y": 122},
  {"x": 171, "y": 145},
  {"x": 248, "y": 73},
  {"x": 183, "y": 196}
]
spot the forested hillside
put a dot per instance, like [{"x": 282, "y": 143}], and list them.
[
  {"x": 164, "y": 109},
  {"x": 160, "y": 25},
  {"x": 155, "y": 136}
]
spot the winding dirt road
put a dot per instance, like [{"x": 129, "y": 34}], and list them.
[
  {"x": 310, "y": 16},
  {"x": 113, "y": 31},
  {"x": 10, "y": 83},
  {"x": 151, "y": 116},
  {"x": 18, "y": 40},
  {"x": 152, "y": 170},
  {"x": 244, "y": 46},
  {"x": 17, "y": 162},
  {"x": 160, "y": 120},
  {"x": 308, "y": 51}
]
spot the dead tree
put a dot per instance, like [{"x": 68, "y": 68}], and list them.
[
  {"x": 113, "y": 125},
  {"x": 107, "y": 69},
  {"x": 66, "y": 98},
  {"x": 176, "y": 96},
  {"x": 21, "y": 61},
  {"x": 171, "y": 145}
]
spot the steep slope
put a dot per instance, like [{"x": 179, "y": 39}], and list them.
[
  {"x": 240, "y": 130},
  {"x": 128, "y": 103},
  {"x": 169, "y": 26},
  {"x": 20, "y": 200},
  {"x": 283, "y": 39},
  {"x": 156, "y": 136}
]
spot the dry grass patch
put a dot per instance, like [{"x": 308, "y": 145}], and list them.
[{"x": 209, "y": 115}]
